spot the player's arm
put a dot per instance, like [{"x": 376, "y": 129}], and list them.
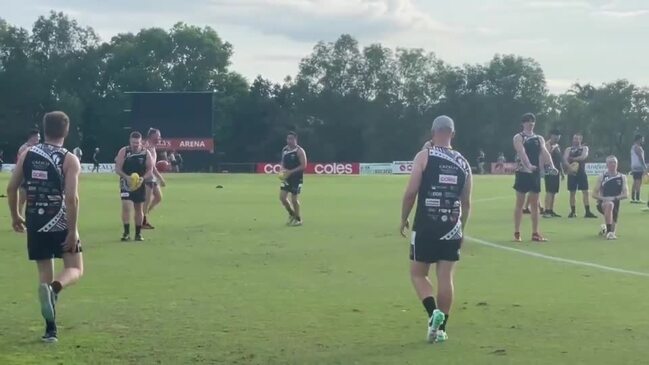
[
  {"x": 625, "y": 189},
  {"x": 427, "y": 146},
  {"x": 520, "y": 151},
  {"x": 410, "y": 196},
  {"x": 119, "y": 163},
  {"x": 584, "y": 154},
  {"x": 465, "y": 200},
  {"x": 158, "y": 175},
  {"x": 566, "y": 158},
  {"x": 71, "y": 170},
  {"x": 546, "y": 158},
  {"x": 16, "y": 180},
  {"x": 301, "y": 155},
  {"x": 596, "y": 192}
]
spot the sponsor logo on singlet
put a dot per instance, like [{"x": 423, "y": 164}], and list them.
[
  {"x": 448, "y": 179},
  {"x": 39, "y": 175}
]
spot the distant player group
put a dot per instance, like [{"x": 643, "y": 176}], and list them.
[{"x": 536, "y": 157}]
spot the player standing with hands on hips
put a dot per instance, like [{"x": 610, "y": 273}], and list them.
[{"x": 440, "y": 184}]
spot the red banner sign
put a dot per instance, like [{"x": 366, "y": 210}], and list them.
[
  {"x": 334, "y": 168},
  {"x": 187, "y": 144}
]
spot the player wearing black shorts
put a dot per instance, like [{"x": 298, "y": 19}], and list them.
[
  {"x": 131, "y": 159},
  {"x": 441, "y": 184},
  {"x": 292, "y": 176},
  {"x": 576, "y": 156},
  {"x": 51, "y": 177},
  {"x": 638, "y": 168},
  {"x": 531, "y": 152},
  {"x": 95, "y": 160},
  {"x": 552, "y": 182},
  {"x": 611, "y": 187}
]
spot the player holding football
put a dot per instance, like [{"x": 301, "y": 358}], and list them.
[
  {"x": 155, "y": 181},
  {"x": 531, "y": 152},
  {"x": 611, "y": 187},
  {"x": 51, "y": 215},
  {"x": 576, "y": 156},
  {"x": 440, "y": 183},
  {"x": 133, "y": 159},
  {"x": 292, "y": 176}
]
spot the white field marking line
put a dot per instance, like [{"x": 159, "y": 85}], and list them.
[
  {"x": 490, "y": 199},
  {"x": 559, "y": 259}
]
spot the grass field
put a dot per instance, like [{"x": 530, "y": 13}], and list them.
[{"x": 223, "y": 281}]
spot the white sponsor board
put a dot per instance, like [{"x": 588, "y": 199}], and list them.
[
  {"x": 401, "y": 167},
  {"x": 595, "y": 168},
  {"x": 85, "y": 168},
  {"x": 376, "y": 168}
]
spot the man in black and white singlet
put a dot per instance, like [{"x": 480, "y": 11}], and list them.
[
  {"x": 552, "y": 182},
  {"x": 440, "y": 184},
  {"x": 155, "y": 181},
  {"x": 638, "y": 167},
  {"x": 292, "y": 177},
  {"x": 131, "y": 159},
  {"x": 611, "y": 187},
  {"x": 50, "y": 175},
  {"x": 576, "y": 156},
  {"x": 532, "y": 154}
]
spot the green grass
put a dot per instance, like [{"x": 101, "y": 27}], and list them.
[{"x": 223, "y": 281}]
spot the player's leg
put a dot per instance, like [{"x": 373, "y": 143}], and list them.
[
  {"x": 573, "y": 201},
  {"x": 71, "y": 273},
  {"x": 138, "y": 208},
  {"x": 445, "y": 293},
  {"x": 518, "y": 215},
  {"x": 295, "y": 202},
  {"x": 153, "y": 198},
  {"x": 424, "y": 289},
  {"x": 526, "y": 206},
  {"x": 534, "y": 201},
  {"x": 607, "y": 207},
  {"x": 47, "y": 298},
  {"x": 583, "y": 186},
  {"x": 127, "y": 208},
  {"x": 283, "y": 198}
]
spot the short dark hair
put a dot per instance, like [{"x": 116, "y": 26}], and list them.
[
  {"x": 578, "y": 134},
  {"x": 291, "y": 133},
  {"x": 151, "y": 132},
  {"x": 637, "y": 137},
  {"x": 56, "y": 124},
  {"x": 136, "y": 135},
  {"x": 33, "y": 132},
  {"x": 555, "y": 132},
  {"x": 528, "y": 117}
]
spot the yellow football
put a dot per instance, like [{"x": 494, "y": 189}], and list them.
[
  {"x": 574, "y": 167},
  {"x": 135, "y": 181}
]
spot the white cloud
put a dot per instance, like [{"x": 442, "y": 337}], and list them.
[
  {"x": 552, "y": 4},
  {"x": 313, "y": 20},
  {"x": 623, "y": 14}
]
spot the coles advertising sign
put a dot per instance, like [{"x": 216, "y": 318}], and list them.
[
  {"x": 503, "y": 168},
  {"x": 402, "y": 167},
  {"x": 187, "y": 144},
  {"x": 334, "y": 168},
  {"x": 595, "y": 168}
]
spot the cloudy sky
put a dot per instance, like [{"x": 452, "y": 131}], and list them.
[{"x": 574, "y": 40}]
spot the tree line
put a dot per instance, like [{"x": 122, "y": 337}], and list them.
[{"x": 347, "y": 103}]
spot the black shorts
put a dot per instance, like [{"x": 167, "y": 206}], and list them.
[
  {"x": 293, "y": 187},
  {"x": 47, "y": 245},
  {"x": 95, "y": 164},
  {"x": 424, "y": 249},
  {"x": 578, "y": 182},
  {"x": 137, "y": 196},
  {"x": 552, "y": 183},
  {"x": 526, "y": 182},
  {"x": 637, "y": 175},
  {"x": 616, "y": 209}
]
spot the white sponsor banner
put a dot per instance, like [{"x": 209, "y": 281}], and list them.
[
  {"x": 376, "y": 168},
  {"x": 597, "y": 168},
  {"x": 85, "y": 168},
  {"x": 401, "y": 167}
]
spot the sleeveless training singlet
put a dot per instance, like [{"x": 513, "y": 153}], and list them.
[{"x": 44, "y": 182}]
